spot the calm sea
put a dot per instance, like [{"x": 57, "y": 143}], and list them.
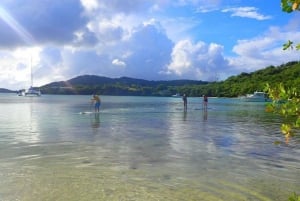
[{"x": 143, "y": 148}]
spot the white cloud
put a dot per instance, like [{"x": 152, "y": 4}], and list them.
[
  {"x": 136, "y": 38},
  {"x": 178, "y": 28},
  {"x": 262, "y": 51},
  {"x": 247, "y": 12},
  {"x": 197, "y": 61},
  {"x": 204, "y": 7},
  {"x": 197, "y": 2},
  {"x": 144, "y": 53},
  {"x": 118, "y": 62},
  {"x": 16, "y": 26},
  {"x": 20, "y": 60},
  {"x": 90, "y": 5}
]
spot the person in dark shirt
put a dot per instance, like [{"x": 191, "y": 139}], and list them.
[
  {"x": 205, "y": 102},
  {"x": 184, "y": 98}
]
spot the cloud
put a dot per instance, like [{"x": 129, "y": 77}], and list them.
[
  {"x": 150, "y": 51},
  {"x": 204, "y": 7},
  {"x": 247, "y": 12},
  {"x": 197, "y": 60},
  {"x": 154, "y": 40},
  {"x": 107, "y": 31},
  {"x": 90, "y": 5},
  {"x": 84, "y": 38},
  {"x": 197, "y": 2},
  {"x": 178, "y": 28},
  {"x": 13, "y": 26},
  {"x": 142, "y": 55},
  {"x": 259, "y": 52},
  {"x": 118, "y": 62},
  {"x": 108, "y": 8},
  {"x": 18, "y": 60},
  {"x": 50, "y": 65},
  {"x": 47, "y": 23}
]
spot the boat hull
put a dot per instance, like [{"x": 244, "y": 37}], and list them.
[
  {"x": 256, "y": 97},
  {"x": 30, "y": 93}
]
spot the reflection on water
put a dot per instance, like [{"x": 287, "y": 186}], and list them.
[
  {"x": 205, "y": 114},
  {"x": 184, "y": 115},
  {"x": 96, "y": 120},
  {"x": 22, "y": 126},
  {"x": 142, "y": 148}
]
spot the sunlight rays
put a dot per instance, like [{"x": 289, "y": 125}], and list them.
[{"x": 16, "y": 26}]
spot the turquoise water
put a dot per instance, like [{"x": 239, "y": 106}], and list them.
[{"x": 143, "y": 148}]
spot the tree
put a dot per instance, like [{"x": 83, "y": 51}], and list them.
[
  {"x": 290, "y": 6},
  {"x": 286, "y": 100}
]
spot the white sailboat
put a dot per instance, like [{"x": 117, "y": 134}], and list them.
[{"x": 31, "y": 91}]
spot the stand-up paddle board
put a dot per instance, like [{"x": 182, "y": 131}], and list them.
[
  {"x": 89, "y": 112},
  {"x": 209, "y": 108}
]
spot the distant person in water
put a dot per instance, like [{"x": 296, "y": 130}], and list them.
[
  {"x": 96, "y": 99},
  {"x": 205, "y": 101},
  {"x": 184, "y": 98}
]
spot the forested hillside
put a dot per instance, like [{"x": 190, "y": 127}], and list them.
[
  {"x": 288, "y": 74},
  {"x": 6, "y": 91},
  {"x": 234, "y": 86},
  {"x": 90, "y": 84}
]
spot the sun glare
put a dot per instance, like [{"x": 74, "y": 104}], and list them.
[{"x": 16, "y": 26}]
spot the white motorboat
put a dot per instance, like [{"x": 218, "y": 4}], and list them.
[
  {"x": 176, "y": 95},
  {"x": 257, "y": 96}
]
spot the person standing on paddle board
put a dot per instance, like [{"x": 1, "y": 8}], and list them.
[
  {"x": 96, "y": 99},
  {"x": 205, "y": 101},
  {"x": 184, "y": 98}
]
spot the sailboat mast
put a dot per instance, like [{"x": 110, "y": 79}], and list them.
[{"x": 31, "y": 72}]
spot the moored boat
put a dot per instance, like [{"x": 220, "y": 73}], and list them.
[
  {"x": 177, "y": 95},
  {"x": 31, "y": 91},
  {"x": 257, "y": 96}
]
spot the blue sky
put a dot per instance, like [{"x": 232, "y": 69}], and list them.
[{"x": 148, "y": 39}]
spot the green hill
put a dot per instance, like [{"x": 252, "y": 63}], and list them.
[
  {"x": 234, "y": 86},
  {"x": 6, "y": 91},
  {"x": 288, "y": 74},
  {"x": 89, "y": 84}
]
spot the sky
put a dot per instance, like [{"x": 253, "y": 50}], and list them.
[{"x": 57, "y": 40}]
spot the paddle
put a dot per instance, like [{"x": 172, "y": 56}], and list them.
[{"x": 92, "y": 101}]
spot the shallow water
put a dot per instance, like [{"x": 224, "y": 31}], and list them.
[{"x": 143, "y": 148}]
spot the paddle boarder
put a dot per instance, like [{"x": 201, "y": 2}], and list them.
[
  {"x": 96, "y": 99},
  {"x": 184, "y": 98},
  {"x": 205, "y": 101}
]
